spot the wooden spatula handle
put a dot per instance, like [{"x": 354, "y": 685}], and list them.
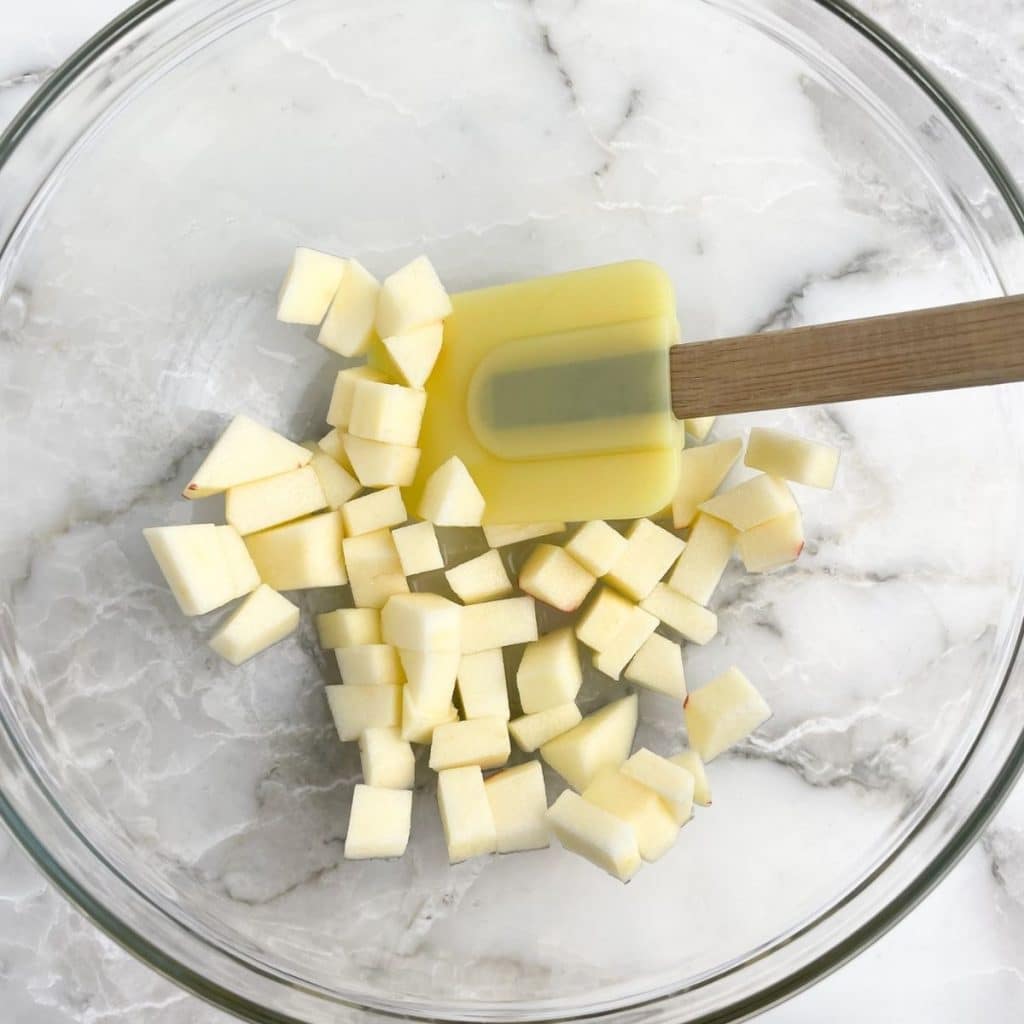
[{"x": 962, "y": 346}]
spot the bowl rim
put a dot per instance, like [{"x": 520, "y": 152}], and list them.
[{"x": 956, "y": 846}]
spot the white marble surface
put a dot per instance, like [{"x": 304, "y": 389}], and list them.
[{"x": 958, "y": 956}]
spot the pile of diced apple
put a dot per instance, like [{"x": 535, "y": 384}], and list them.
[{"x": 428, "y": 669}]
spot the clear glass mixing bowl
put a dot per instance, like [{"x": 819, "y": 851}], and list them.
[{"x": 786, "y": 162}]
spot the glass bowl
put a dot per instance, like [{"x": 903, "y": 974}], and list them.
[{"x": 787, "y": 163}]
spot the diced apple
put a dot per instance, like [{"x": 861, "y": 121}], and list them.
[
  {"x": 431, "y": 678},
  {"x": 418, "y": 549},
  {"x": 411, "y": 356},
  {"x": 386, "y": 412},
  {"x": 702, "y": 563},
  {"x": 596, "y": 546},
  {"x": 691, "y": 620},
  {"x": 722, "y": 713},
  {"x": 239, "y": 566},
  {"x": 374, "y": 511},
  {"x": 777, "y": 542},
  {"x": 332, "y": 444},
  {"x": 358, "y": 708},
  {"x": 519, "y": 805},
  {"x": 532, "y": 731},
  {"x": 410, "y": 298},
  {"x": 451, "y": 497},
  {"x": 550, "y": 673},
  {"x": 379, "y": 822},
  {"x": 701, "y": 472},
  {"x": 498, "y": 624},
  {"x": 387, "y": 760},
  {"x": 658, "y": 666},
  {"x": 483, "y": 690},
  {"x": 503, "y": 536},
  {"x": 262, "y": 619},
  {"x": 246, "y": 451},
  {"x": 480, "y": 579},
  {"x": 593, "y": 833},
  {"x": 601, "y": 740},
  {"x": 469, "y": 829},
  {"x": 642, "y": 809},
  {"x": 193, "y": 562},
  {"x": 751, "y": 503},
  {"x": 418, "y": 724},
  {"x": 623, "y": 645},
  {"x": 375, "y": 571},
  {"x": 340, "y": 410},
  {"x": 250, "y": 508},
  {"x": 700, "y": 426},
  {"x": 381, "y": 465},
  {"x": 648, "y": 555},
  {"x": 673, "y": 783},
  {"x": 300, "y": 555},
  {"x": 308, "y": 286},
  {"x": 557, "y": 579},
  {"x": 606, "y": 614},
  {"x": 792, "y": 458},
  {"x": 348, "y": 326},
  {"x": 338, "y": 484},
  {"x": 690, "y": 760},
  {"x": 348, "y": 627},
  {"x": 370, "y": 665},
  {"x": 482, "y": 741},
  {"x": 422, "y": 622}
]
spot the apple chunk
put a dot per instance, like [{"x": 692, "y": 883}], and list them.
[
  {"x": 348, "y": 326},
  {"x": 418, "y": 549},
  {"x": 418, "y": 724},
  {"x": 370, "y": 665},
  {"x": 658, "y": 666},
  {"x": 469, "y": 828},
  {"x": 340, "y": 410},
  {"x": 374, "y": 511},
  {"x": 451, "y": 497},
  {"x": 701, "y": 472},
  {"x": 422, "y": 622},
  {"x": 596, "y": 546},
  {"x": 556, "y": 578},
  {"x": 262, "y": 619},
  {"x": 601, "y": 740},
  {"x": 261, "y": 504},
  {"x": 550, "y": 672},
  {"x": 410, "y": 298},
  {"x": 482, "y": 741},
  {"x": 623, "y": 645},
  {"x": 431, "y": 678},
  {"x": 642, "y": 809},
  {"x": 722, "y": 713},
  {"x": 483, "y": 689},
  {"x": 751, "y": 503},
  {"x": 411, "y": 356},
  {"x": 358, "y": 708},
  {"x": 194, "y": 564},
  {"x": 702, "y": 563},
  {"x": 308, "y": 287},
  {"x": 375, "y": 571},
  {"x": 241, "y": 569},
  {"x": 686, "y": 617},
  {"x": 690, "y": 760},
  {"x": 673, "y": 783},
  {"x": 519, "y": 807},
  {"x": 792, "y": 458},
  {"x": 339, "y": 486},
  {"x": 532, "y": 731},
  {"x": 700, "y": 426},
  {"x": 772, "y": 544},
  {"x": 648, "y": 555},
  {"x": 348, "y": 627},
  {"x": 480, "y": 579},
  {"x": 595, "y": 834},
  {"x": 386, "y": 412},
  {"x": 503, "y": 536},
  {"x": 379, "y": 822},
  {"x": 498, "y": 624},
  {"x": 381, "y": 465},
  {"x": 387, "y": 760},
  {"x": 606, "y": 614},
  {"x": 300, "y": 555}
]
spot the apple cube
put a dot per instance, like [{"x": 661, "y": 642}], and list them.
[
  {"x": 606, "y": 614},
  {"x": 519, "y": 805},
  {"x": 648, "y": 555},
  {"x": 194, "y": 564},
  {"x": 262, "y": 619},
  {"x": 776, "y": 542},
  {"x": 418, "y": 549},
  {"x": 653, "y": 824},
  {"x": 347, "y": 327},
  {"x": 250, "y": 508},
  {"x": 308, "y": 287},
  {"x": 375, "y": 571},
  {"x": 239, "y": 566},
  {"x": 374, "y": 511},
  {"x": 386, "y": 412},
  {"x": 332, "y": 444},
  {"x": 411, "y": 356},
  {"x": 596, "y": 546},
  {"x": 690, "y": 760},
  {"x": 658, "y": 666},
  {"x": 722, "y": 713},
  {"x": 418, "y": 724},
  {"x": 601, "y": 740},
  {"x": 339, "y": 412},
  {"x": 483, "y": 690},
  {"x": 686, "y": 617},
  {"x": 348, "y": 627},
  {"x": 480, "y": 579},
  {"x": 702, "y": 563},
  {"x": 532, "y": 731},
  {"x": 370, "y": 665},
  {"x": 503, "y": 536},
  {"x": 623, "y": 645},
  {"x": 557, "y": 579},
  {"x": 701, "y": 472},
  {"x": 379, "y": 822},
  {"x": 482, "y": 741},
  {"x": 422, "y": 622},
  {"x": 793, "y": 458},
  {"x": 498, "y": 624},
  {"x": 339, "y": 486},
  {"x": 671, "y": 782},
  {"x": 246, "y": 451},
  {"x": 591, "y": 832},
  {"x": 430, "y": 678},
  {"x": 358, "y": 708},
  {"x": 381, "y": 465},
  {"x": 469, "y": 829},
  {"x": 387, "y": 760},
  {"x": 751, "y": 503},
  {"x": 700, "y": 426},
  {"x": 300, "y": 555},
  {"x": 410, "y": 298},
  {"x": 451, "y": 497},
  {"x": 550, "y": 673}
]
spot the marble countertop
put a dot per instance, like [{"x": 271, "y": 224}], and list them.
[{"x": 958, "y": 956}]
